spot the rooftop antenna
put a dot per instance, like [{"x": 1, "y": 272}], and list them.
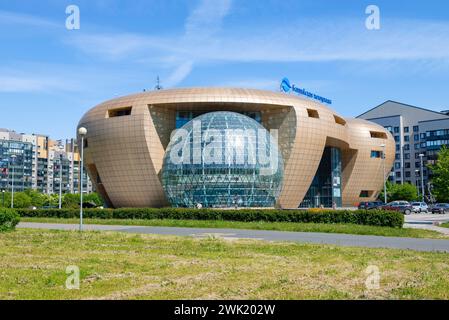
[{"x": 158, "y": 84}]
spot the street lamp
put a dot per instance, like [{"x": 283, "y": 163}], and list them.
[
  {"x": 60, "y": 181},
  {"x": 383, "y": 146},
  {"x": 416, "y": 174},
  {"x": 82, "y": 133},
  {"x": 3, "y": 198},
  {"x": 421, "y": 155},
  {"x": 13, "y": 157}
]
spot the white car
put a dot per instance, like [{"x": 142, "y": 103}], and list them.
[{"x": 419, "y": 207}]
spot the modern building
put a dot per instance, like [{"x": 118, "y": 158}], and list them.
[
  {"x": 35, "y": 162},
  {"x": 418, "y": 133},
  {"x": 232, "y": 148}
]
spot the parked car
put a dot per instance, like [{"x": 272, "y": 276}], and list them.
[
  {"x": 402, "y": 206},
  {"x": 419, "y": 207},
  {"x": 370, "y": 205},
  {"x": 441, "y": 208},
  {"x": 50, "y": 207}
]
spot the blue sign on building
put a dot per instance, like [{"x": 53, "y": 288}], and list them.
[{"x": 287, "y": 87}]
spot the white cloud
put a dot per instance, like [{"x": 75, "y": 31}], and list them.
[
  {"x": 206, "y": 19},
  {"x": 179, "y": 74},
  {"x": 32, "y": 83},
  {"x": 173, "y": 51},
  {"x": 307, "y": 41},
  {"x": 13, "y": 18}
]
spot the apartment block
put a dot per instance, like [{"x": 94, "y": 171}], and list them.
[{"x": 34, "y": 161}]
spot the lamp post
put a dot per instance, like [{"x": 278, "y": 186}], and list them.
[
  {"x": 82, "y": 133},
  {"x": 421, "y": 156},
  {"x": 383, "y": 146},
  {"x": 60, "y": 181},
  {"x": 13, "y": 157},
  {"x": 3, "y": 198}
]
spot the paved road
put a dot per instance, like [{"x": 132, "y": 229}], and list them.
[
  {"x": 428, "y": 218},
  {"x": 302, "y": 237}
]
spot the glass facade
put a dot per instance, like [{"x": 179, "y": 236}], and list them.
[
  {"x": 325, "y": 190},
  {"x": 21, "y": 166},
  {"x": 183, "y": 117},
  {"x": 234, "y": 163}
]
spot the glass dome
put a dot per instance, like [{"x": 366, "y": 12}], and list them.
[{"x": 222, "y": 159}]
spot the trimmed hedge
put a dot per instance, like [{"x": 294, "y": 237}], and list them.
[
  {"x": 362, "y": 217},
  {"x": 8, "y": 219}
]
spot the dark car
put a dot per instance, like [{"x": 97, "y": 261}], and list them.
[
  {"x": 441, "y": 208},
  {"x": 370, "y": 205},
  {"x": 401, "y": 206}
]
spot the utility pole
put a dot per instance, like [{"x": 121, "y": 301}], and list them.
[
  {"x": 384, "y": 174},
  {"x": 13, "y": 157},
  {"x": 422, "y": 176},
  {"x": 82, "y": 133},
  {"x": 60, "y": 181}
]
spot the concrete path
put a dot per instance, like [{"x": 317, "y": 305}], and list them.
[{"x": 301, "y": 237}]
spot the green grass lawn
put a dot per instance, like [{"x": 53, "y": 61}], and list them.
[
  {"x": 281, "y": 226},
  {"x": 130, "y": 266},
  {"x": 445, "y": 225}
]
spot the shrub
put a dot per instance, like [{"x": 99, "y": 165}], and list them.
[
  {"x": 362, "y": 217},
  {"x": 8, "y": 219}
]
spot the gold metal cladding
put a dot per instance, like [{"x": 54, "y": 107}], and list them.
[{"x": 127, "y": 152}]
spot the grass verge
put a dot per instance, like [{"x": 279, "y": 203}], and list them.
[
  {"x": 128, "y": 266},
  {"x": 279, "y": 226}
]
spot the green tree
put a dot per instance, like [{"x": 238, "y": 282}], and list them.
[
  {"x": 95, "y": 198},
  {"x": 406, "y": 192},
  {"x": 440, "y": 175},
  {"x": 21, "y": 200},
  {"x": 71, "y": 200},
  {"x": 37, "y": 199}
]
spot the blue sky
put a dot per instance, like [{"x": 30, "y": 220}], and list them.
[{"x": 50, "y": 76}]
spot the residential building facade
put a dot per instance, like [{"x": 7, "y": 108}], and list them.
[
  {"x": 419, "y": 134},
  {"x": 37, "y": 162}
]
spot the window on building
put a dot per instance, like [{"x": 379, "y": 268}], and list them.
[
  {"x": 406, "y": 129},
  {"x": 423, "y": 136},
  {"x": 378, "y": 135},
  {"x": 119, "y": 112},
  {"x": 339, "y": 120},
  {"x": 397, "y": 165},
  {"x": 398, "y": 156},
  {"x": 407, "y": 165},
  {"x": 416, "y": 137},
  {"x": 313, "y": 113},
  {"x": 407, "y": 174},
  {"x": 417, "y": 145},
  {"x": 407, "y": 156},
  {"x": 376, "y": 154},
  {"x": 406, "y": 147},
  {"x": 398, "y": 174},
  {"x": 396, "y": 138},
  {"x": 396, "y": 129},
  {"x": 406, "y": 138},
  {"x": 366, "y": 194},
  {"x": 415, "y": 128}
]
